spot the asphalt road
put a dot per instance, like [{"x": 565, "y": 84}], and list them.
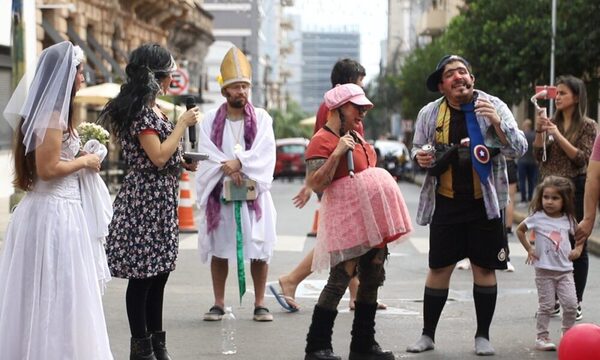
[{"x": 189, "y": 295}]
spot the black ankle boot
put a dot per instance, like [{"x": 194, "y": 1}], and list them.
[
  {"x": 318, "y": 339},
  {"x": 363, "y": 345},
  {"x": 141, "y": 349},
  {"x": 159, "y": 345}
]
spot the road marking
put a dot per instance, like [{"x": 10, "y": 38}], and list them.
[{"x": 296, "y": 243}]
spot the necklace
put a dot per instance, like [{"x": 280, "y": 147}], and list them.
[{"x": 237, "y": 147}]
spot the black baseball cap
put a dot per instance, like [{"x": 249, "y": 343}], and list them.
[{"x": 436, "y": 77}]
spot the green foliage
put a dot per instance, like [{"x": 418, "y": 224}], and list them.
[
  {"x": 508, "y": 45},
  {"x": 287, "y": 123},
  {"x": 386, "y": 99}
]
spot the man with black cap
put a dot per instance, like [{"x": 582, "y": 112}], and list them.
[{"x": 462, "y": 139}]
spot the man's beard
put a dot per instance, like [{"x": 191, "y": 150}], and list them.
[{"x": 238, "y": 103}]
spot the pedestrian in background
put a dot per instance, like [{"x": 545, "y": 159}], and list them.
[
  {"x": 464, "y": 192},
  {"x": 50, "y": 302},
  {"x": 240, "y": 143},
  {"x": 360, "y": 214},
  {"x": 552, "y": 218},
  {"x": 527, "y": 166},
  {"x": 143, "y": 236},
  {"x": 569, "y": 142}
]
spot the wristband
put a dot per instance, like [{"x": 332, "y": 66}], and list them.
[{"x": 539, "y": 131}]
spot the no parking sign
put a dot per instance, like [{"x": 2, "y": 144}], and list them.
[{"x": 180, "y": 83}]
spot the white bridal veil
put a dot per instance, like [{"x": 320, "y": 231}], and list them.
[{"x": 46, "y": 103}]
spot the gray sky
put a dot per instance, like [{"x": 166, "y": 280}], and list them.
[{"x": 369, "y": 16}]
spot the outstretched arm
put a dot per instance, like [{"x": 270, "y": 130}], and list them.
[{"x": 590, "y": 202}]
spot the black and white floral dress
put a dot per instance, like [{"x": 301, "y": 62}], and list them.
[{"x": 144, "y": 236}]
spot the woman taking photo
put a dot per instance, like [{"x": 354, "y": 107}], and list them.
[
  {"x": 569, "y": 142},
  {"x": 50, "y": 302},
  {"x": 143, "y": 236}
]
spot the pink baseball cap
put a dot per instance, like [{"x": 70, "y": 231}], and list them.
[{"x": 342, "y": 94}]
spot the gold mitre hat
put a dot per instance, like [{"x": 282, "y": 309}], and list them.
[{"x": 235, "y": 68}]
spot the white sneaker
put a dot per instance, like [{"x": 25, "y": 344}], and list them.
[
  {"x": 509, "y": 267},
  {"x": 464, "y": 264},
  {"x": 544, "y": 345}
]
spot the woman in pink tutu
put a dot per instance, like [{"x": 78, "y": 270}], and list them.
[{"x": 362, "y": 212}]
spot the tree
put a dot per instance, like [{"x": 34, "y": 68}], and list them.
[
  {"x": 287, "y": 123},
  {"x": 508, "y": 44}
]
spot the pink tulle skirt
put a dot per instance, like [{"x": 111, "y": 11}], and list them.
[{"x": 358, "y": 214}]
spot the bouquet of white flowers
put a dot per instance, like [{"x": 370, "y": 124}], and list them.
[{"x": 88, "y": 131}]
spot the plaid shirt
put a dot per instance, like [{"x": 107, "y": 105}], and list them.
[{"x": 495, "y": 189}]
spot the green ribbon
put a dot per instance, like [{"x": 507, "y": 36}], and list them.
[{"x": 239, "y": 239}]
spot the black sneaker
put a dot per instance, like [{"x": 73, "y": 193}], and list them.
[
  {"x": 555, "y": 312},
  {"x": 579, "y": 315}
]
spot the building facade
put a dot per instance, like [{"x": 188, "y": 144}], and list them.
[{"x": 320, "y": 51}]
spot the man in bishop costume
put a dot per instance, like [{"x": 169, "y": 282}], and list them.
[{"x": 240, "y": 143}]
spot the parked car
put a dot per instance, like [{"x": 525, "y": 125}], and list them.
[
  {"x": 394, "y": 156},
  {"x": 289, "y": 161}
]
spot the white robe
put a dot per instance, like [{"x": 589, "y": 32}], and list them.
[{"x": 258, "y": 164}]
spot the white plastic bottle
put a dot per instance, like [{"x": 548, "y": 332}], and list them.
[{"x": 228, "y": 332}]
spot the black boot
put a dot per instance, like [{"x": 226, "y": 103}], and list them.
[
  {"x": 363, "y": 345},
  {"x": 159, "y": 345},
  {"x": 318, "y": 340},
  {"x": 141, "y": 349}
]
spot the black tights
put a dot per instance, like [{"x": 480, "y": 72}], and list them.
[{"x": 144, "y": 301}]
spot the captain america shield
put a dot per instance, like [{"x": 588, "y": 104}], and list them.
[{"x": 481, "y": 153}]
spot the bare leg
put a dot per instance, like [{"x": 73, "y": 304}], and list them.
[
  {"x": 290, "y": 282},
  {"x": 353, "y": 288},
  {"x": 218, "y": 270},
  {"x": 259, "y": 270}
]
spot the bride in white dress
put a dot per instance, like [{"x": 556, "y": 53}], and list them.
[{"x": 50, "y": 302}]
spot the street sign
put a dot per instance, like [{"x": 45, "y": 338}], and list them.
[{"x": 180, "y": 83}]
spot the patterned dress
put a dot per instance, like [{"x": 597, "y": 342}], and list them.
[{"x": 143, "y": 236}]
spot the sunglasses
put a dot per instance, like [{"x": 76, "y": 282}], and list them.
[{"x": 362, "y": 109}]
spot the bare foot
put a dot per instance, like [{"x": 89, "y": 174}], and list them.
[
  {"x": 380, "y": 305},
  {"x": 288, "y": 289}
]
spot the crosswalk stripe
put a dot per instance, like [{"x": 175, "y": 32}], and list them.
[{"x": 296, "y": 243}]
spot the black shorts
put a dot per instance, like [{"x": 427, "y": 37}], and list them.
[
  {"x": 511, "y": 170},
  {"x": 482, "y": 241}
]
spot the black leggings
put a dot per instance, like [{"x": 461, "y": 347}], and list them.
[
  {"x": 581, "y": 265},
  {"x": 144, "y": 301}
]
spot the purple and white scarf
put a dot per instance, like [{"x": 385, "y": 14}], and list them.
[{"x": 213, "y": 206}]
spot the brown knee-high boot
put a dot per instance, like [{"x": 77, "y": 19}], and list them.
[
  {"x": 363, "y": 345},
  {"x": 318, "y": 340}
]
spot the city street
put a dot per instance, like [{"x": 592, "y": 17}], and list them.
[{"x": 189, "y": 295}]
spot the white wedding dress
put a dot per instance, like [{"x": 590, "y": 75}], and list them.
[{"x": 50, "y": 302}]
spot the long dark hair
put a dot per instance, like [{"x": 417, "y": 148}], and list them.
[
  {"x": 25, "y": 170},
  {"x": 148, "y": 65},
  {"x": 577, "y": 87}
]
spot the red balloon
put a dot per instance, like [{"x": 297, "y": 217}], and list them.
[{"x": 581, "y": 342}]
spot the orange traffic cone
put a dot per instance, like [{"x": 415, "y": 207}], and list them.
[
  {"x": 315, "y": 225},
  {"x": 185, "y": 211}
]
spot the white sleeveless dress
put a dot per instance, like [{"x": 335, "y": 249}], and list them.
[{"x": 50, "y": 302}]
